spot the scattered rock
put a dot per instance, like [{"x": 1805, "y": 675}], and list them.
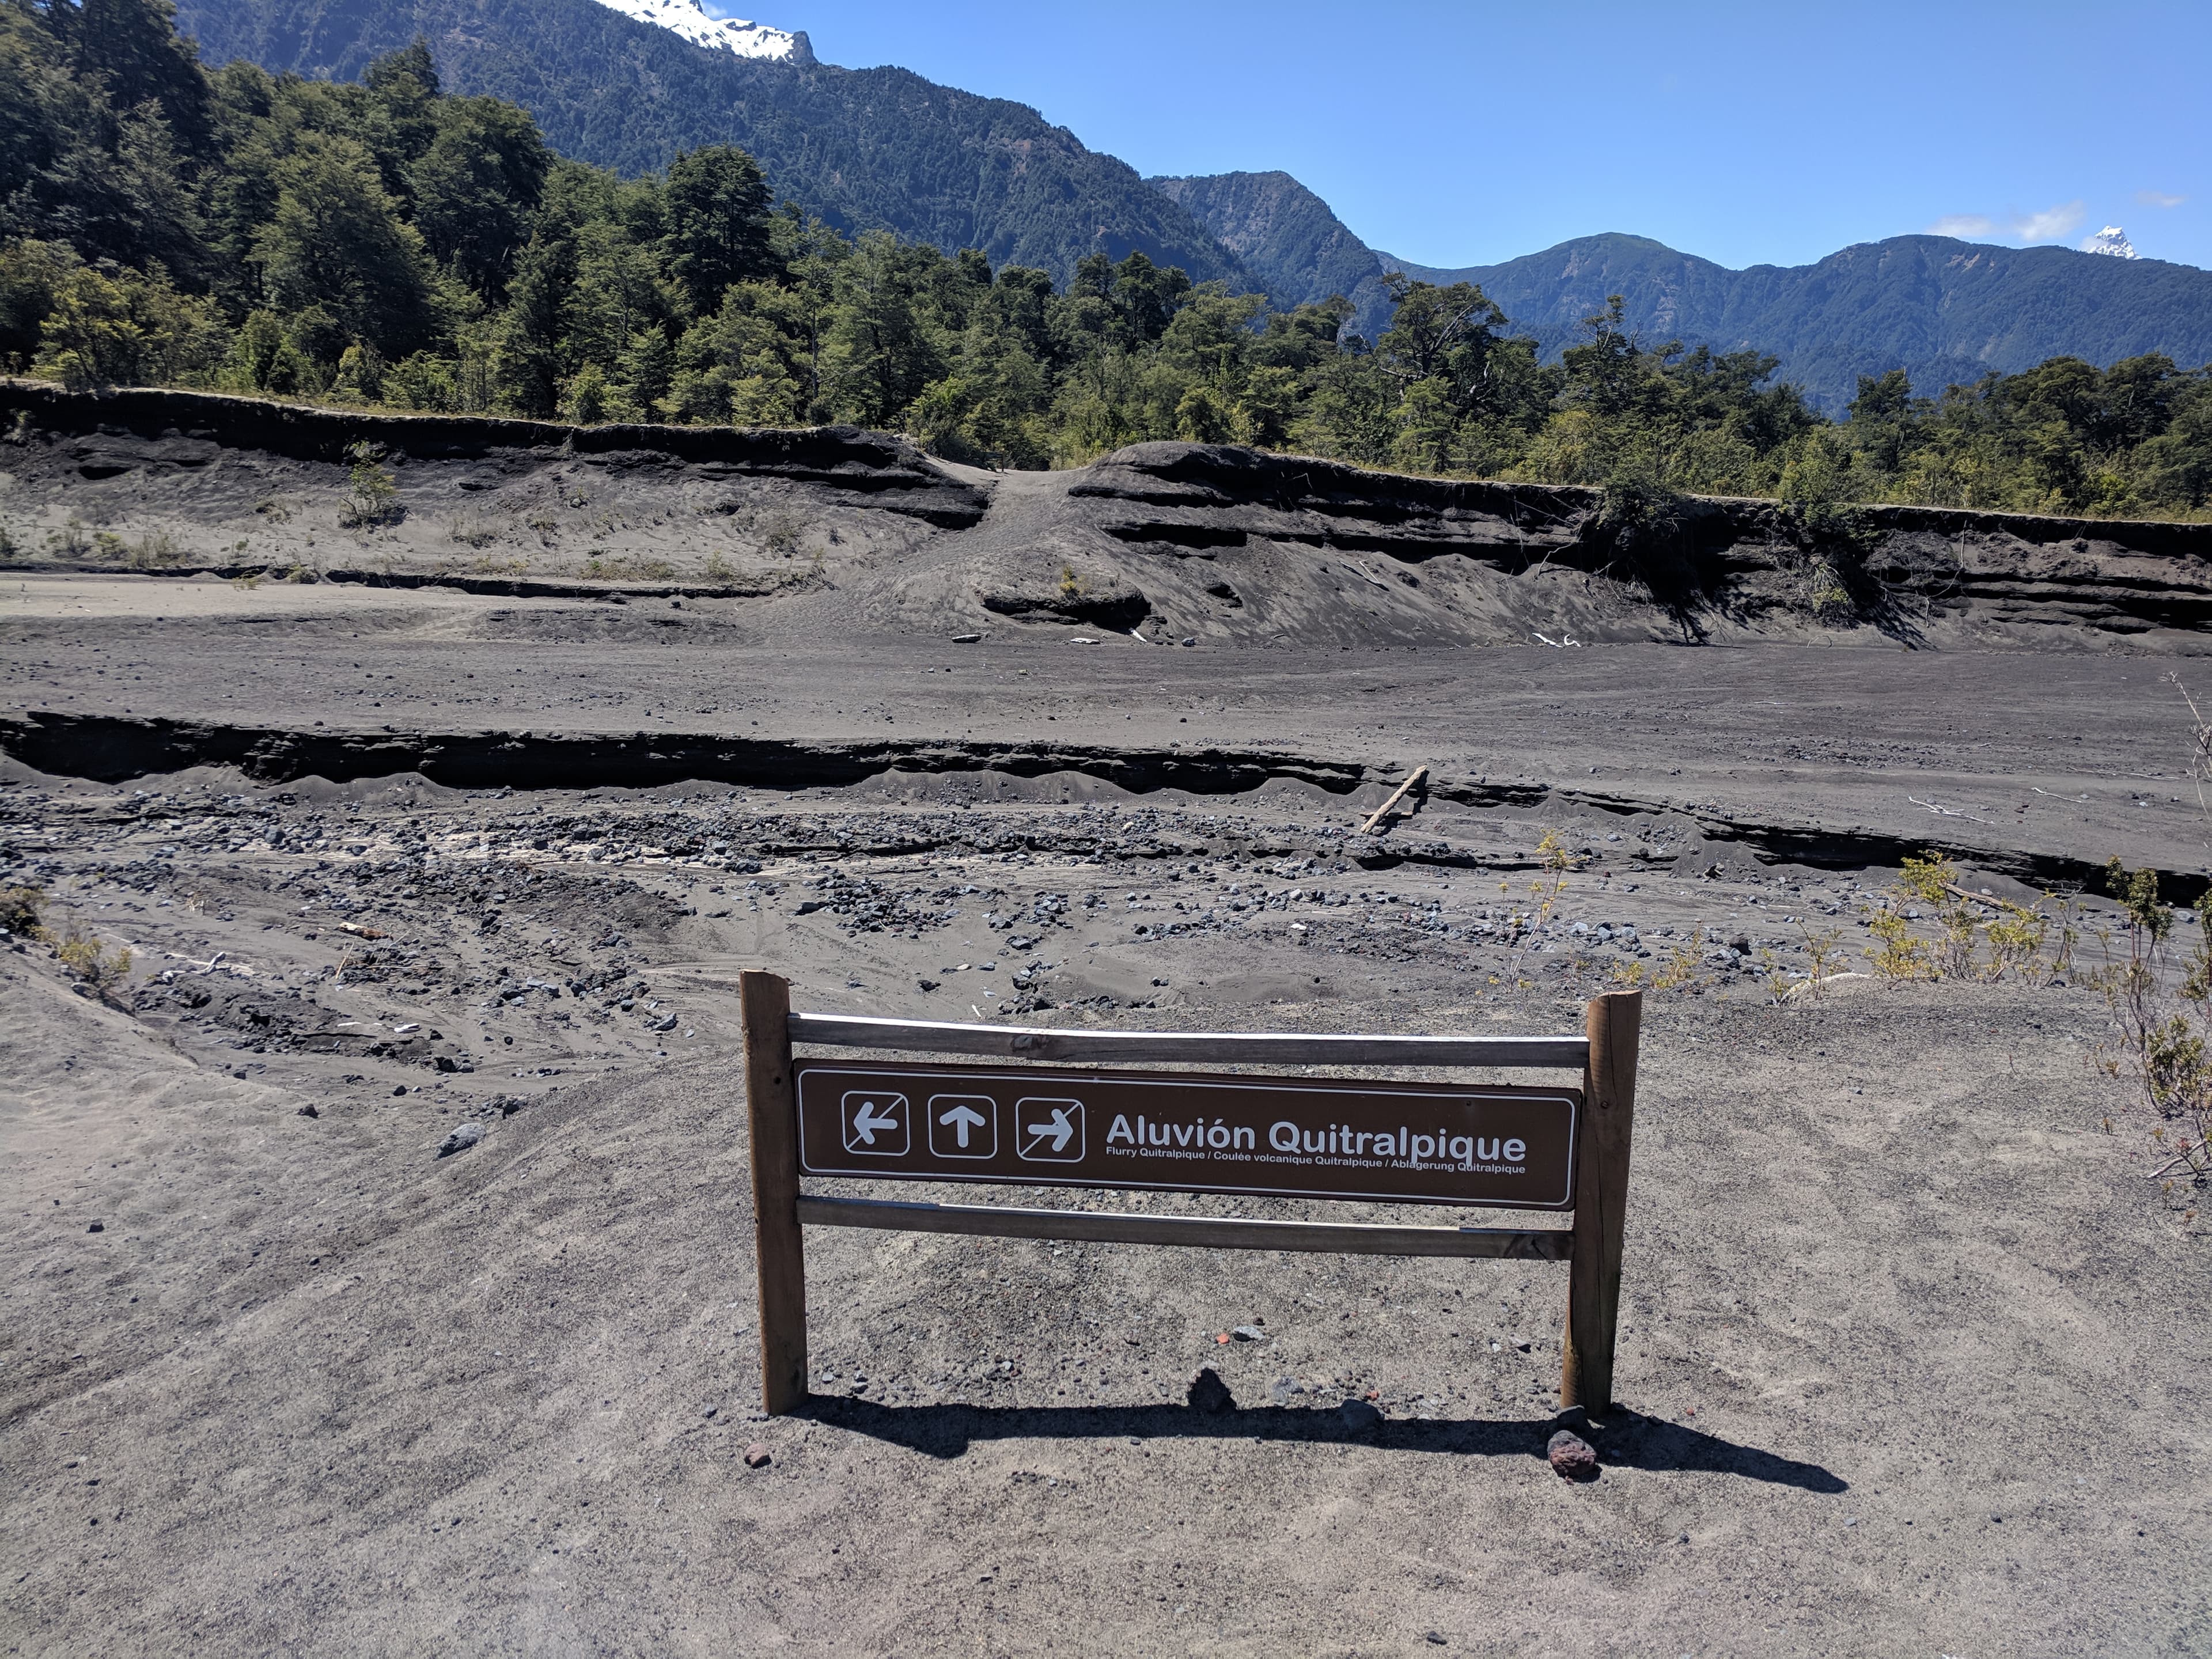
[
  {"x": 1438, "y": 1636},
  {"x": 97, "y": 1227},
  {"x": 399, "y": 1089},
  {"x": 967, "y": 639},
  {"x": 463, "y": 1136},
  {"x": 665, "y": 1023},
  {"x": 1248, "y": 1334},
  {"x": 309, "y": 1111},
  {"x": 1359, "y": 1415},
  {"x": 1209, "y": 1394},
  {"x": 756, "y": 1455},
  {"x": 1572, "y": 1456}
]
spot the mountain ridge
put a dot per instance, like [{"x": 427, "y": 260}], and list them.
[
  {"x": 618, "y": 83},
  {"x": 1944, "y": 310},
  {"x": 867, "y": 149}
]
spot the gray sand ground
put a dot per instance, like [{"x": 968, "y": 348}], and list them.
[{"x": 1914, "y": 1357}]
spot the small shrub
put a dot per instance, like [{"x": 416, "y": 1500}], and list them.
[
  {"x": 780, "y": 535},
  {"x": 473, "y": 532},
  {"x": 1680, "y": 965},
  {"x": 2160, "y": 1037},
  {"x": 372, "y": 493},
  {"x": 95, "y": 963},
  {"x": 1896, "y": 954},
  {"x": 1823, "y": 953},
  {"x": 1972, "y": 935},
  {"x": 155, "y": 550},
  {"x": 621, "y": 569},
  {"x": 69, "y": 542},
  {"x": 1639, "y": 506},
  {"x": 717, "y": 568},
  {"x": 1775, "y": 973},
  {"x": 20, "y": 906}
]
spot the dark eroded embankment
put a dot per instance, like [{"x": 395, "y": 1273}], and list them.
[{"x": 112, "y": 750}]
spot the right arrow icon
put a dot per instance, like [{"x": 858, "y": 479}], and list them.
[
  {"x": 1051, "y": 1131},
  {"x": 1060, "y": 1129}
]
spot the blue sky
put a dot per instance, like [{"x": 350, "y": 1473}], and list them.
[{"x": 1454, "y": 135}]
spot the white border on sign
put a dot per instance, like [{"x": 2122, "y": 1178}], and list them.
[{"x": 809, "y": 1068}]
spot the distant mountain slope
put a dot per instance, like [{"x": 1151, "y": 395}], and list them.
[
  {"x": 1290, "y": 240},
  {"x": 867, "y": 149},
  {"x": 1942, "y": 310},
  {"x": 1275, "y": 225}
]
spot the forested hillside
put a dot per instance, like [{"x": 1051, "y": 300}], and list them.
[
  {"x": 386, "y": 243},
  {"x": 1942, "y": 310},
  {"x": 865, "y": 149}
]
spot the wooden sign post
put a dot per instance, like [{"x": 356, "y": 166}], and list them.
[{"x": 1088, "y": 1120}]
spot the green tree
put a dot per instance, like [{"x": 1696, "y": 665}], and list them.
[
  {"x": 476, "y": 188},
  {"x": 336, "y": 241},
  {"x": 717, "y": 229},
  {"x": 128, "y": 330}
]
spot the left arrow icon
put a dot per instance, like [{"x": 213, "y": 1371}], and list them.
[{"x": 875, "y": 1123}]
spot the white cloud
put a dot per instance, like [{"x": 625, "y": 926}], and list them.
[
  {"x": 2159, "y": 198},
  {"x": 2053, "y": 224}
]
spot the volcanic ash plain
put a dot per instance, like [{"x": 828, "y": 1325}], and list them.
[{"x": 1913, "y": 1356}]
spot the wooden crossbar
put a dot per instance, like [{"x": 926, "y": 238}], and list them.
[
  {"x": 1216, "y": 1232},
  {"x": 1156, "y": 1048}
]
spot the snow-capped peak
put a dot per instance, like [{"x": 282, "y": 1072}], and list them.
[
  {"x": 2113, "y": 241},
  {"x": 731, "y": 34}
]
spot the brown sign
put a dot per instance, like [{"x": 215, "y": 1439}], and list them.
[{"x": 1406, "y": 1143}]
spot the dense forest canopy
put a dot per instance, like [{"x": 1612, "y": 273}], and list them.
[{"x": 384, "y": 243}]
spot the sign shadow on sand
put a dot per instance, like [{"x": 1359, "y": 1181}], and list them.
[{"x": 1628, "y": 1439}]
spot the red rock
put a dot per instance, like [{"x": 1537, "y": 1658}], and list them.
[
  {"x": 756, "y": 1456},
  {"x": 1572, "y": 1456}
]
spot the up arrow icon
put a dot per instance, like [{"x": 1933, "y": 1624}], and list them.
[{"x": 963, "y": 1126}]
